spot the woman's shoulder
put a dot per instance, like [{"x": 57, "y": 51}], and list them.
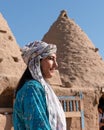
[
  {"x": 32, "y": 82},
  {"x": 31, "y": 86}
]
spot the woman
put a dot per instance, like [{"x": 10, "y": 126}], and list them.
[{"x": 36, "y": 106}]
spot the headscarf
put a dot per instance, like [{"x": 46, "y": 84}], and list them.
[{"x": 32, "y": 54}]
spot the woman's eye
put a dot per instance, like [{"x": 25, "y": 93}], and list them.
[{"x": 51, "y": 58}]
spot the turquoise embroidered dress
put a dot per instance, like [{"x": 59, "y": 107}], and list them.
[{"x": 30, "y": 109}]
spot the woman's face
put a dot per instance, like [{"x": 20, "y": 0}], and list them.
[{"x": 48, "y": 66}]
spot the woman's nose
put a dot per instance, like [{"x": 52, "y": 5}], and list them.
[{"x": 56, "y": 64}]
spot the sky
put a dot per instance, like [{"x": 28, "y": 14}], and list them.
[{"x": 30, "y": 20}]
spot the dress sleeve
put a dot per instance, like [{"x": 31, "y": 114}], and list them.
[{"x": 34, "y": 109}]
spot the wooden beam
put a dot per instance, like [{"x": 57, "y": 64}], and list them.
[
  {"x": 6, "y": 110},
  {"x": 72, "y": 114}
]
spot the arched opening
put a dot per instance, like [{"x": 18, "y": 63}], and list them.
[{"x": 101, "y": 112}]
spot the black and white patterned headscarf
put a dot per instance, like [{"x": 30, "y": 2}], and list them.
[{"x": 32, "y": 54}]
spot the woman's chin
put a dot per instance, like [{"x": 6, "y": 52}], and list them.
[{"x": 49, "y": 76}]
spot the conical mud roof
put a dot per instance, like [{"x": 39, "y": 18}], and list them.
[
  {"x": 11, "y": 63},
  {"x": 79, "y": 61}
]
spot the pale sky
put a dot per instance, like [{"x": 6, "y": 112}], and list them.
[{"x": 30, "y": 20}]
